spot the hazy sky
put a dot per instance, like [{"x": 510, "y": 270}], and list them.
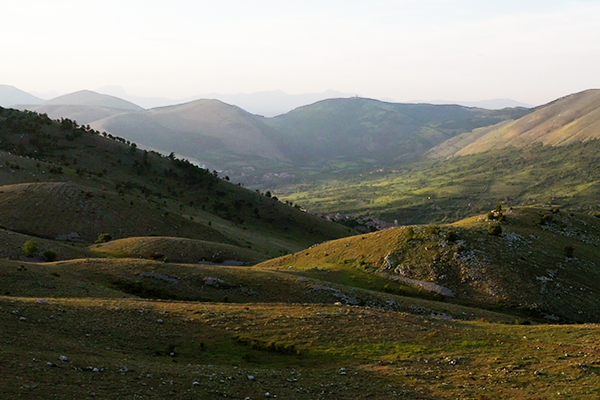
[{"x": 529, "y": 50}]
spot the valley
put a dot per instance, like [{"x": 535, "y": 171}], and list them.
[{"x": 127, "y": 272}]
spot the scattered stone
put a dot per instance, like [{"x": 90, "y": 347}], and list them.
[
  {"x": 251, "y": 378},
  {"x": 160, "y": 321},
  {"x": 196, "y": 383},
  {"x": 161, "y": 277},
  {"x": 22, "y": 319},
  {"x": 63, "y": 358},
  {"x": 218, "y": 283}
]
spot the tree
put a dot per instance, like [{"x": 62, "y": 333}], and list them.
[
  {"x": 30, "y": 248},
  {"x": 104, "y": 238}
]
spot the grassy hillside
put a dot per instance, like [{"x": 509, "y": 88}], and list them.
[
  {"x": 540, "y": 261},
  {"x": 177, "y": 249},
  {"x": 571, "y": 119},
  {"x": 67, "y": 337},
  {"x": 78, "y": 180},
  {"x": 207, "y": 130},
  {"x": 454, "y": 188},
  {"x": 356, "y": 128}
]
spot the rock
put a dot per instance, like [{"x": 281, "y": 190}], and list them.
[
  {"x": 63, "y": 358},
  {"x": 196, "y": 383},
  {"x": 251, "y": 378}
]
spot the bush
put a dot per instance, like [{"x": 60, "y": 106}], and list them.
[
  {"x": 569, "y": 251},
  {"x": 30, "y": 248},
  {"x": 104, "y": 238},
  {"x": 50, "y": 255},
  {"x": 433, "y": 229},
  {"x": 410, "y": 233},
  {"x": 451, "y": 236},
  {"x": 495, "y": 229}
]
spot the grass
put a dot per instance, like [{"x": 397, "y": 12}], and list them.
[
  {"x": 525, "y": 269},
  {"x": 159, "y": 349},
  {"x": 452, "y": 189}
]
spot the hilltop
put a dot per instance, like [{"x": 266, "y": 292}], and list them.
[
  {"x": 11, "y": 96},
  {"x": 571, "y": 119},
  {"x": 542, "y": 262},
  {"x": 357, "y": 128},
  {"x": 84, "y": 107},
  {"x": 330, "y": 135},
  {"x": 198, "y": 129}
]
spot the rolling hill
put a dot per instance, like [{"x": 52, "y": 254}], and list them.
[
  {"x": 11, "y": 96},
  {"x": 357, "y": 128},
  {"x": 92, "y": 99},
  {"x": 542, "y": 262},
  {"x": 206, "y": 130},
  {"x": 84, "y": 107},
  {"x": 571, "y": 119},
  {"x": 462, "y": 310},
  {"x": 77, "y": 180}
]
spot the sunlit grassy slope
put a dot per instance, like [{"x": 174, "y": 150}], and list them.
[
  {"x": 571, "y": 119},
  {"x": 543, "y": 262},
  {"x": 451, "y": 189}
]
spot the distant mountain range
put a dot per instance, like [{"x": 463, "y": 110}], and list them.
[
  {"x": 350, "y": 130},
  {"x": 10, "y": 96},
  {"x": 266, "y": 103}
]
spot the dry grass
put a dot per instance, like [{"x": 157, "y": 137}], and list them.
[
  {"x": 53, "y": 209},
  {"x": 526, "y": 269},
  {"x": 178, "y": 250},
  {"x": 159, "y": 349}
]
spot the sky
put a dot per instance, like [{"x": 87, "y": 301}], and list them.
[{"x": 531, "y": 51}]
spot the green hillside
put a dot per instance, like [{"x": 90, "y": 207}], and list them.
[
  {"x": 355, "y": 129},
  {"x": 164, "y": 308},
  {"x": 542, "y": 262},
  {"x": 77, "y": 180},
  {"x": 455, "y": 188}
]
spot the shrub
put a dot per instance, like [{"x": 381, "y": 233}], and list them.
[
  {"x": 30, "y": 248},
  {"x": 410, "y": 233},
  {"x": 451, "y": 236},
  {"x": 545, "y": 218},
  {"x": 50, "y": 255},
  {"x": 104, "y": 238},
  {"x": 433, "y": 229},
  {"x": 569, "y": 251},
  {"x": 495, "y": 230}
]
